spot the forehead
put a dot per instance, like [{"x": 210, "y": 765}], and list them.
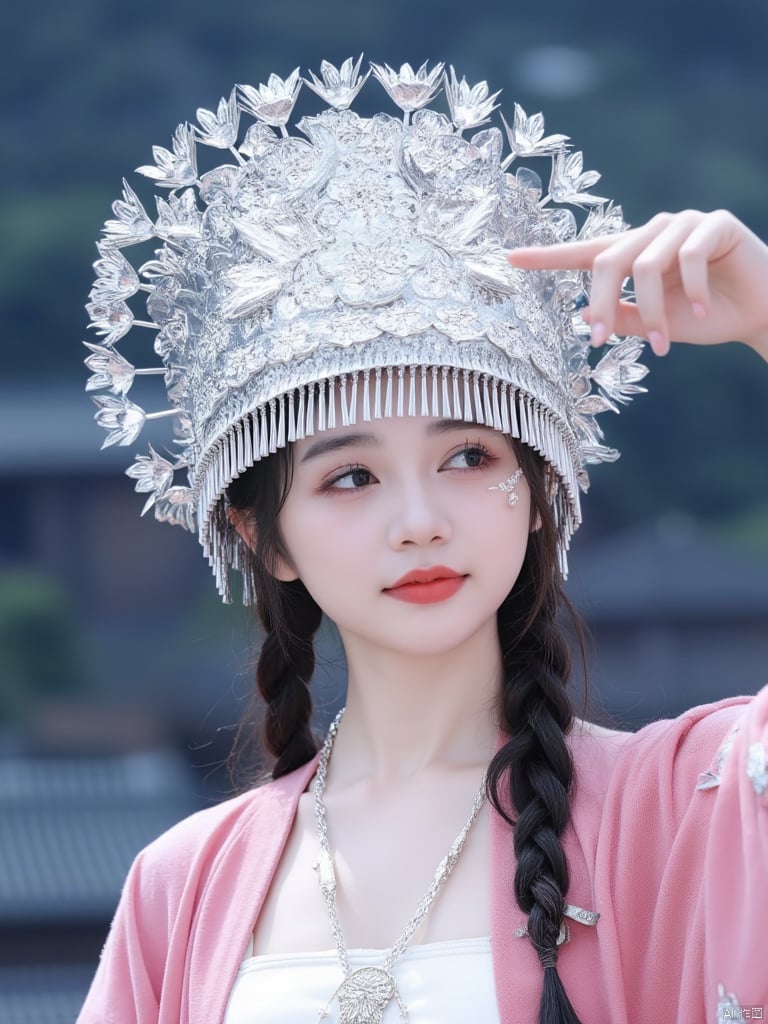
[{"x": 397, "y": 431}]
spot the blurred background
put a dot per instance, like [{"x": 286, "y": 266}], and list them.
[{"x": 121, "y": 675}]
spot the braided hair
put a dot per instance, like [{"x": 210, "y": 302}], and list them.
[
  {"x": 530, "y": 777},
  {"x": 289, "y": 618},
  {"x": 533, "y": 771}
]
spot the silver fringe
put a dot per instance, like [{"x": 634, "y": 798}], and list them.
[{"x": 477, "y": 398}]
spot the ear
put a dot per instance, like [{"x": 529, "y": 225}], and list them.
[{"x": 281, "y": 568}]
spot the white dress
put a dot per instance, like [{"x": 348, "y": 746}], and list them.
[{"x": 439, "y": 983}]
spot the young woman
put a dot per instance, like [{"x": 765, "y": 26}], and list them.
[{"x": 386, "y": 416}]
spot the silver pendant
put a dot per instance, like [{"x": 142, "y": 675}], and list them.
[{"x": 364, "y": 996}]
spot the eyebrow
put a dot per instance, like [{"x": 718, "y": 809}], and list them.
[{"x": 333, "y": 444}]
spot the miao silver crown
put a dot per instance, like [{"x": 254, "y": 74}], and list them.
[{"x": 352, "y": 263}]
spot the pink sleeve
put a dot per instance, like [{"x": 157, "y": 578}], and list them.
[
  {"x": 128, "y": 980},
  {"x": 735, "y": 883},
  {"x": 682, "y": 866}
]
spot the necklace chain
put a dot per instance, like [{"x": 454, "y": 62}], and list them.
[{"x": 370, "y": 978}]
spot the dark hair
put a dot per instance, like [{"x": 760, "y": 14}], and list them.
[{"x": 530, "y": 778}]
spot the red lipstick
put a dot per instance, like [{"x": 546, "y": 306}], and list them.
[{"x": 427, "y": 586}]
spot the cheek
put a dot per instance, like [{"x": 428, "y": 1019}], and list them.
[{"x": 321, "y": 536}]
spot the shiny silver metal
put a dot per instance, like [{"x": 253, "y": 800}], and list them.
[{"x": 351, "y": 253}]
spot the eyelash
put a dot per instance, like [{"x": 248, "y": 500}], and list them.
[{"x": 330, "y": 486}]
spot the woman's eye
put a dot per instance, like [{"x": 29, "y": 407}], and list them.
[
  {"x": 471, "y": 457},
  {"x": 352, "y": 479}
]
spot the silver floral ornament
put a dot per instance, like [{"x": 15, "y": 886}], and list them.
[
  {"x": 339, "y": 86},
  {"x": 131, "y": 223},
  {"x": 110, "y": 370},
  {"x": 177, "y": 167},
  {"x": 526, "y": 137},
  {"x": 470, "y": 106},
  {"x": 618, "y": 372},
  {"x": 176, "y": 507},
  {"x": 219, "y": 129},
  {"x": 178, "y": 218},
  {"x": 272, "y": 103},
  {"x": 569, "y": 182},
  {"x": 410, "y": 90},
  {"x": 153, "y": 474},
  {"x": 115, "y": 277},
  {"x": 121, "y": 418}
]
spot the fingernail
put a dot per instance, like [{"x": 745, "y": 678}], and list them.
[
  {"x": 656, "y": 339},
  {"x": 699, "y": 310},
  {"x": 580, "y": 301}
]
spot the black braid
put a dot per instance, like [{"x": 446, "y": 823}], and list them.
[
  {"x": 534, "y": 768},
  {"x": 290, "y": 618}
]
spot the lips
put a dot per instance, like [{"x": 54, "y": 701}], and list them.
[{"x": 427, "y": 586}]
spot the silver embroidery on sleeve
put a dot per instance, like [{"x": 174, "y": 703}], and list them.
[
  {"x": 711, "y": 778},
  {"x": 757, "y": 768},
  {"x": 727, "y": 1005}
]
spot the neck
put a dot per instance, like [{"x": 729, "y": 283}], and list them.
[{"x": 407, "y": 714}]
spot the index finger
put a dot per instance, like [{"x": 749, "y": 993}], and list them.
[{"x": 562, "y": 255}]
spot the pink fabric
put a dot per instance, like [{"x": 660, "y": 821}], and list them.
[{"x": 678, "y": 874}]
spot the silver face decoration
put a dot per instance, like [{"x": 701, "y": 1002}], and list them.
[{"x": 508, "y": 486}]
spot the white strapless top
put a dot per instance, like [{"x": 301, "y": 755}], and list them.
[{"x": 439, "y": 983}]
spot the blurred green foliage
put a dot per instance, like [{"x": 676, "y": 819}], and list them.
[{"x": 40, "y": 656}]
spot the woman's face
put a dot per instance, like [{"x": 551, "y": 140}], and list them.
[{"x": 373, "y": 502}]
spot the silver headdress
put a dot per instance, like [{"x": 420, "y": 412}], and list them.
[{"x": 361, "y": 263}]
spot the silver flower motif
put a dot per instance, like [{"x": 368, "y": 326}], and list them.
[
  {"x": 115, "y": 277},
  {"x": 569, "y": 181},
  {"x": 176, "y": 507},
  {"x": 152, "y": 473},
  {"x": 167, "y": 263},
  {"x": 603, "y": 220},
  {"x": 131, "y": 223},
  {"x": 272, "y": 103},
  {"x": 526, "y": 136},
  {"x": 339, "y": 86},
  {"x": 122, "y": 418},
  {"x": 110, "y": 320},
  {"x": 219, "y": 129},
  {"x": 110, "y": 370},
  {"x": 757, "y": 767},
  {"x": 470, "y": 105},
  {"x": 178, "y": 217},
  {"x": 618, "y": 371},
  {"x": 410, "y": 90},
  {"x": 174, "y": 169}
]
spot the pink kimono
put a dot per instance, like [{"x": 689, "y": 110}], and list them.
[{"x": 668, "y": 842}]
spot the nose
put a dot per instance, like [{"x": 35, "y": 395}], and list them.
[{"x": 418, "y": 516}]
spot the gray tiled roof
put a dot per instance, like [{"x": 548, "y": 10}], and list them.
[
  {"x": 42, "y": 995},
  {"x": 70, "y": 828}
]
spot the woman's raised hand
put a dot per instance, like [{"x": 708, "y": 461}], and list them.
[{"x": 698, "y": 277}]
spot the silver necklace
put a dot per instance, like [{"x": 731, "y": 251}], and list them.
[{"x": 365, "y": 993}]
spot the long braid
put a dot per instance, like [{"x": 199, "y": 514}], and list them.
[
  {"x": 283, "y": 674},
  {"x": 534, "y": 768},
  {"x": 289, "y": 617}
]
